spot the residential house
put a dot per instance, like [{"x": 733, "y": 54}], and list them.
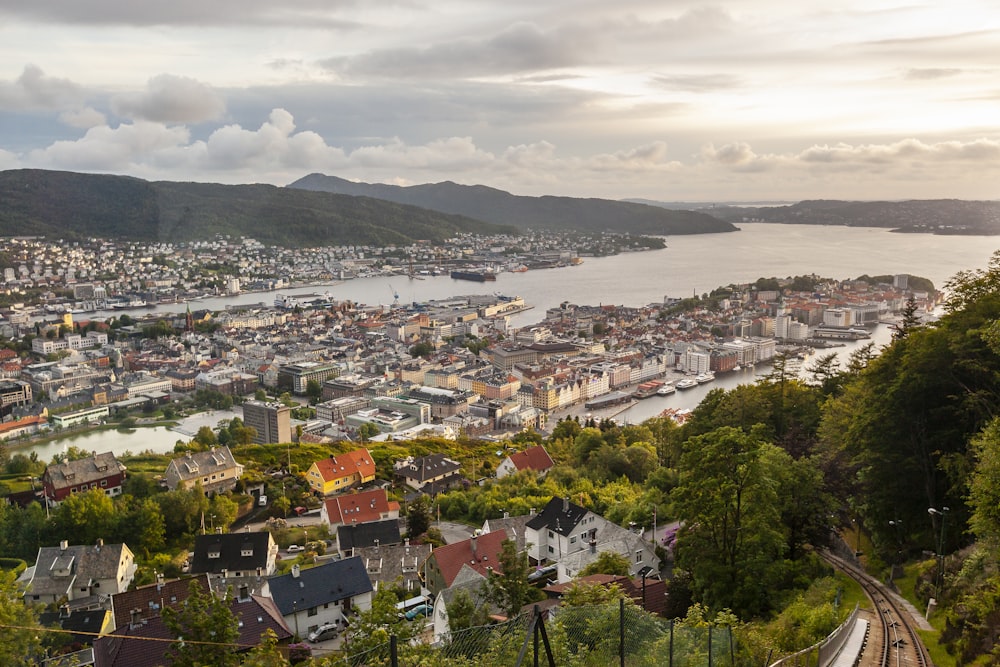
[
  {"x": 355, "y": 508},
  {"x": 429, "y": 474},
  {"x": 640, "y": 552},
  {"x": 561, "y": 527},
  {"x": 535, "y": 458},
  {"x": 469, "y": 581},
  {"x": 650, "y": 594},
  {"x": 323, "y": 594},
  {"x": 146, "y": 602},
  {"x": 341, "y": 472},
  {"x": 145, "y": 642},
  {"x": 77, "y": 572},
  {"x": 479, "y": 552},
  {"x": 368, "y": 534},
  {"x": 100, "y": 471},
  {"x": 235, "y": 559},
  {"x": 395, "y": 564},
  {"x": 215, "y": 469}
]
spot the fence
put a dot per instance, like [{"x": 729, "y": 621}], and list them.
[
  {"x": 599, "y": 636},
  {"x": 821, "y": 653}
]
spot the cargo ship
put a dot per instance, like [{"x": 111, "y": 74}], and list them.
[{"x": 478, "y": 276}]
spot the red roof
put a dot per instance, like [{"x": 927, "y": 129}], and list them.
[
  {"x": 533, "y": 458},
  {"x": 355, "y": 508},
  {"x": 356, "y": 462},
  {"x": 479, "y": 553}
]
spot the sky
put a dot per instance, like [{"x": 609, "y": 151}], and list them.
[{"x": 672, "y": 100}]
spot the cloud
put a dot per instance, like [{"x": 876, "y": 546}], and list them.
[
  {"x": 171, "y": 99},
  {"x": 929, "y": 73},
  {"x": 83, "y": 118},
  {"x": 34, "y": 91},
  {"x": 696, "y": 83},
  {"x": 110, "y": 149},
  {"x": 198, "y": 13},
  {"x": 522, "y": 47}
]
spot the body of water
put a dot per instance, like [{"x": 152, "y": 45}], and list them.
[
  {"x": 158, "y": 439},
  {"x": 693, "y": 264}
]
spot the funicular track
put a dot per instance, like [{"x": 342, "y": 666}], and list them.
[{"x": 894, "y": 641}]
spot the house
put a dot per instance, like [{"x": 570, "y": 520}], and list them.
[
  {"x": 534, "y": 458},
  {"x": 429, "y": 474},
  {"x": 473, "y": 583},
  {"x": 560, "y": 528},
  {"x": 146, "y": 602},
  {"x": 216, "y": 469},
  {"x": 145, "y": 642},
  {"x": 80, "y": 571},
  {"x": 80, "y": 626},
  {"x": 368, "y": 534},
  {"x": 235, "y": 559},
  {"x": 479, "y": 552},
  {"x": 323, "y": 594},
  {"x": 341, "y": 472},
  {"x": 650, "y": 594},
  {"x": 395, "y": 564},
  {"x": 354, "y": 508},
  {"x": 640, "y": 552},
  {"x": 100, "y": 471}
]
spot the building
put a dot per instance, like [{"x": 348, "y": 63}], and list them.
[
  {"x": 479, "y": 552},
  {"x": 429, "y": 474},
  {"x": 13, "y": 393},
  {"x": 295, "y": 377},
  {"x": 215, "y": 469},
  {"x": 371, "y": 534},
  {"x": 235, "y": 559},
  {"x": 354, "y": 508},
  {"x": 272, "y": 421},
  {"x": 395, "y": 564},
  {"x": 73, "y": 573},
  {"x": 535, "y": 458},
  {"x": 324, "y": 594},
  {"x": 340, "y": 472},
  {"x": 100, "y": 471},
  {"x": 82, "y": 416}
]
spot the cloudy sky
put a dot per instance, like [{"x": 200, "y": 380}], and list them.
[{"x": 677, "y": 100}]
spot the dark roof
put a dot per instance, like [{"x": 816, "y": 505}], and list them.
[
  {"x": 428, "y": 467},
  {"x": 85, "y": 624},
  {"x": 323, "y": 584},
  {"x": 149, "y": 600},
  {"x": 560, "y": 516},
  {"x": 125, "y": 649},
  {"x": 365, "y": 534},
  {"x": 230, "y": 547},
  {"x": 84, "y": 471}
]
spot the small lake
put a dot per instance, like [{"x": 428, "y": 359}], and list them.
[{"x": 158, "y": 439}]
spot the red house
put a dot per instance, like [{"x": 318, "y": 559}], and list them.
[{"x": 100, "y": 471}]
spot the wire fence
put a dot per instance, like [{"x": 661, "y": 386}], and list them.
[{"x": 599, "y": 636}]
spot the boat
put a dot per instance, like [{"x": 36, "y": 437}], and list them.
[
  {"x": 707, "y": 376},
  {"x": 666, "y": 390},
  {"x": 687, "y": 383},
  {"x": 477, "y": 276}
]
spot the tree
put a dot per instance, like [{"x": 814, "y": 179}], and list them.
[
  {"x": 509, "y": 588},
  {"x": 463, "y": 612},
  {"x": 908, "y": 319},
  {"x": 223, "y": 509},
  {"x": 418, "y": 516},
  {"x": 731, "y": 540},
  {"x": 21, "y": 644},
  {"x": 83, "y": 518},
  {"x": 205, "y": 628},
  {"x": 373, "y": 627},
  {"x": 367, "y": 431},
  {"x": 314, "y": 390},
  {"x": 421, "y": 350},
  {"x": 984, "y": 486},
  {"x": 608, "y": 562},
  {"x": 267, "y": 653}
]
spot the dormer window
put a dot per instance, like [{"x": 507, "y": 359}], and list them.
[{"x": 215, "y": 554}]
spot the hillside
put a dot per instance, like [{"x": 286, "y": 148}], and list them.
[
  {"x": 935, "y": 216},
  {"x": 496, "y": 206},
  {"x": 72, "y": 205}
]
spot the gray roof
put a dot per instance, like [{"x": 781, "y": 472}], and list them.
[
  {"x": 82, "y": 562},
  {"x": 385, "y": 532},
  {"x": 199, "y": 464},
  {"x": 323, "y": 584},
  {"x": 83, "y": 471},
  {"x": 393, "y": 562}
]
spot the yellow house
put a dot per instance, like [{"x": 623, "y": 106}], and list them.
[{"x": 341, "y": 472}]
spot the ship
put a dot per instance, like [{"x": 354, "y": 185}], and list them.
[
  {"x": 707, "y": 376},
  {"x": 687, "y": 383},
  {"x": 477, "y": 276},
  {"x": 666, "y": 390}
]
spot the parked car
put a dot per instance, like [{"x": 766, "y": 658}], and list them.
[
  {"x": 294, "y": 548},
  {"x": 323, "y": 632},
  {"x": 299, "y": 511},
  {"x": 420, "y": 610}
]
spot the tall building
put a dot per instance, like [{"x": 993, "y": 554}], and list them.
[{"x": 273, "y": 421}]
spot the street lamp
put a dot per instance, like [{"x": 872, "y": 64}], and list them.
[
  {"x": 898, "y": 525},
  {"x": 644, "y": 572},
  {"x": 943, "y": 513}
]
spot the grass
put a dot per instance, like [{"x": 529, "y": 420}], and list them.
[{"x": 907, "y": 587}]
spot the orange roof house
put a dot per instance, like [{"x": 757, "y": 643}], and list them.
[
  {"x": 340, "y": 472},
  {"x": 355, "y": 508}
]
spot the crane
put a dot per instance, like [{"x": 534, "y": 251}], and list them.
[{"x": 395, "y": 296}]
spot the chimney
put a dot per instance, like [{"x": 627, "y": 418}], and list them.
[
  {"x": 295, "y": 571},
  {"x": 593, "y": 546},
  {"x": 565, "y": 504},
  {"x": 100, "y": 543},
  {"x": 244, "y": 592},
  {"x": 472, "y": 545},
  {"x": 64, "y": 545},
  {"x": 134, "y": 617},
  {"x": 64, "y": 611}
]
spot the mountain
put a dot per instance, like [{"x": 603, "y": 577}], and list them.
[
  {"x": 935, "y": 216},
  {"x": 73, "y": 205},
  {"x": 499, "y": 207}
]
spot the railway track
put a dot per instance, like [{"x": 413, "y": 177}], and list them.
[{"x": 894, "y": 641}]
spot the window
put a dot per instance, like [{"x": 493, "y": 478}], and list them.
[
  {"x": 638, "y": 556},
  {"x": 104, "y": 482},
  {"x": 551, "y": 535},
  {"x": 551, "y": 550},
  {"x": 572, "y": 540},
  {"x": 313, "y": 611}
]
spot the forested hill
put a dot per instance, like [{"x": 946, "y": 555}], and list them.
[
  {"x": 935, "y": 216},
  {"x": 73, "y": 205},
  {"x": 500, "y": 207}
]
